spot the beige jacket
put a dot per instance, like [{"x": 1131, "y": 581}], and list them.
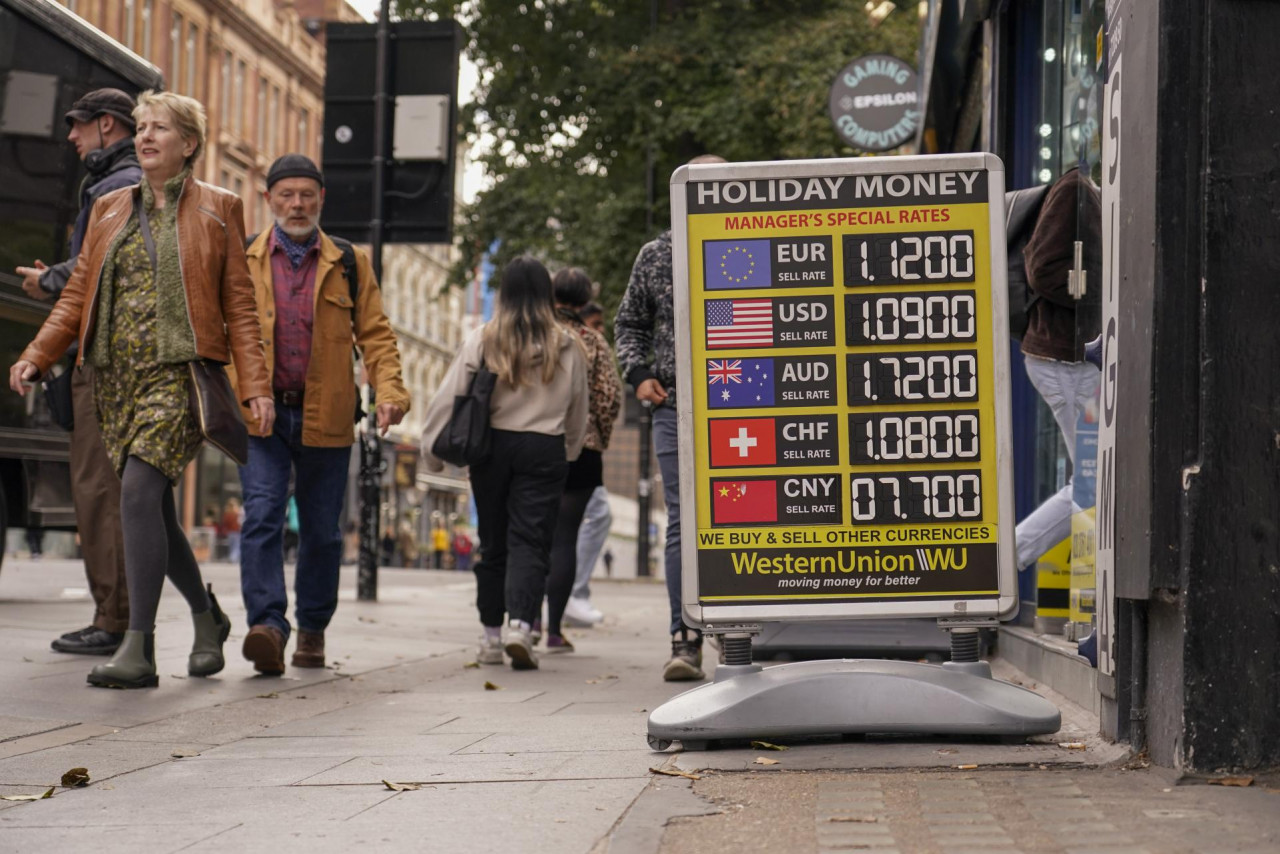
[{"x": 556, "y": 408}]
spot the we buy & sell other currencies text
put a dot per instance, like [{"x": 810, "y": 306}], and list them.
[{"x": 844, "y": 387}]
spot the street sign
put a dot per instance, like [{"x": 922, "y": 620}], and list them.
[
  {"x": 843, "y": 393},
  {"x": 875, "y": 103}
]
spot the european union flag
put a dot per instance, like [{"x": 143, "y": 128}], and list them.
[
  {"x": 728, "y": 264},
  {"x": 739, "y": 383}
]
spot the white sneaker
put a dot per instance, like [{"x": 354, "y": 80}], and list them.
[
  {"x": 519, "y": 647},
  {"x": 489, "y": 651},
  {"x": 579, "y": 614}
]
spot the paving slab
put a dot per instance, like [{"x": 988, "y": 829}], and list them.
[{"x": 478, "y": 768}]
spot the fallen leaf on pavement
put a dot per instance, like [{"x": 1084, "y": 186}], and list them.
[
  {"x": 402, "y": 787},
  {"x": 184, "y": 754},
  {"x": 760, "y": 760},
  {"x": 672, "y": 772},
  {"x": 947, "y": 751},
  {"x": 1231, "y": 781},
  {"x": 765, "y": 745},
  {"x": 48, "y": 794},
  {"x": 272, "y": 696},
  {"x": 489, "y": 686},
  {"x": 471, "y": 665},
  {"x": 365, "y": 620},
  {"x": 966, "y": 767},
  {"x": 28, "y": 660},
  {"x": 859, "y": 818},
  {"x": 1072, "y": 745},
  {"x": 75, "y": 777}
]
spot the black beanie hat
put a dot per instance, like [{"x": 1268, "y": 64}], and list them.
[{"x": 293, "y": 166}]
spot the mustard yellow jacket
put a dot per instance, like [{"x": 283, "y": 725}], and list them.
[{"x": 329, "y": 402}]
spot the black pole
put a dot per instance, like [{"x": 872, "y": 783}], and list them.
[
  {"x": 644, "y": 489},
  {"x": 371, "y": 463}
]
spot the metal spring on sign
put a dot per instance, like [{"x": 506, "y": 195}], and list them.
[
  {"x": 966, "y": 646},
  {"x": 737, "y": 650}
]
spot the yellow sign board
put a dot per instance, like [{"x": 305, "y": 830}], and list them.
[{"x": 843, "y": 387}]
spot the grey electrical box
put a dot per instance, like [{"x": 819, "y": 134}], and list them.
[{"x": 421, "y": 128}]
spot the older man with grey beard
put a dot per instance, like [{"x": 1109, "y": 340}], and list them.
[{"x": 317, "y": 299}]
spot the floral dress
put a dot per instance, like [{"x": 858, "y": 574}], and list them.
[{"x": 143, "y": 406}]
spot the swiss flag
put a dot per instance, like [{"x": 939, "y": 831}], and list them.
[
  {"x": 736, "y": 501},
  {"x": 742, "y": 442}
]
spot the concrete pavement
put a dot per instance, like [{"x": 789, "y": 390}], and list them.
[{"x": 553, "y": 760}]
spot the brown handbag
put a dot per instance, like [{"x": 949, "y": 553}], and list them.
[
  {"x": 217, "y": 412},
  {"x": 213, "y": 402}
]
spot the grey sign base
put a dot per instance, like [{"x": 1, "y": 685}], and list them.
[{"x": 850, "y": 696}]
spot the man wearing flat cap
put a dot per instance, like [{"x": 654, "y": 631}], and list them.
[
  {"x": 100, "y": 125},
  {"x": 317, "y": 299}
]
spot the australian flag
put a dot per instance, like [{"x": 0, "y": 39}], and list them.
[
  {"x": 729, "y": 264},
  {"x": 739, "y": 383}
]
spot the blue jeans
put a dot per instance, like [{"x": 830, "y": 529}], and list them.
[
  {"x": 666, "y": 443},
  {"x": 320, "y": 485},
  {"x": 592, "y": 535}
]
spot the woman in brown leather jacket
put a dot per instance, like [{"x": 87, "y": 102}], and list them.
[{"x": 161, "y": 281}]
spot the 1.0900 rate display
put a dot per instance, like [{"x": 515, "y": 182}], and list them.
[{"x": 926, "y": 318}]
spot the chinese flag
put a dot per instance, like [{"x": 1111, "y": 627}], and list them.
[
  {"x": 735, "y": 501},
  {"x": 742, "y": 442}
]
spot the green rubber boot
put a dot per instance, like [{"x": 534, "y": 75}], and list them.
[
  {"x": 212, "y": 629},
  {"x": 133, "y": 665}
]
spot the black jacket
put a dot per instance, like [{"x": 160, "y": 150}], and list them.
[{"x": 110, "y": 169}]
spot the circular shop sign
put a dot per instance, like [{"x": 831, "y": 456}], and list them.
[
  {"x": 874, "y": 103},
  {"x": 343, "y": 134}
]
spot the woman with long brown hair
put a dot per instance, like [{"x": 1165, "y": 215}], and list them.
[
  {"x": 160, "y": 282},
  {"x": 538, "y": 421}
]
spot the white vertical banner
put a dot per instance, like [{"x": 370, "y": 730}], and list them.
[{"x": 1106, "y": 509}]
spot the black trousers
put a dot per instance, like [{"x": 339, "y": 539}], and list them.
[
  {"x": 517, "y": 493},
  {"x": 585, "y": 474}
]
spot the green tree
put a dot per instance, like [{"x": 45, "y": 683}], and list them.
[{"x": 577, "y": 94}]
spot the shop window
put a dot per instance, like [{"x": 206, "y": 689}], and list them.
[
  {"x": 175, "y": 53},
  {"x": 193, "y": 79},
  {"x": 130, "y": 24}
]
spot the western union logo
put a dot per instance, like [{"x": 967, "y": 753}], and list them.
[{"x": 852, "y": 560}]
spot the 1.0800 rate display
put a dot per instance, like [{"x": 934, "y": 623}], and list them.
[{"x": 914, "y": 437}]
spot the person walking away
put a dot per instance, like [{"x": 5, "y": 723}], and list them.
[
  {"x": 573, "y": 290},
  {"x": 439, "y": 546},
  {"x": 100, "y": 126},
  {"x": 1053, "y": 346},
  {"x": 596, "y": 522},
  {"x": 316, "y": 300},
  {"x": 160, "y": 282},
  {"x": 538, "y": 423},
  {"x": 644, "y": 330},
  {"x": 461, "y": 550}
]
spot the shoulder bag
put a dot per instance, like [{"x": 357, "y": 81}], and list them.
[
  {"x": 465, "y": 438},
  {"x": 213, "y": 403}
]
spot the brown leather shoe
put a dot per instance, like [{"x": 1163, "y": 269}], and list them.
[
  {"x": 264, "y": 646},
  {"x": 310, "y": 649}
]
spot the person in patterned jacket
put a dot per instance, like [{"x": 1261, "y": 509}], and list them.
[
  {"x": 573, "y": 291},
  {"x": 644, "y": 329}
]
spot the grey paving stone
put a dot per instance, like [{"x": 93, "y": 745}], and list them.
[
  {"x": 475, "y": 768},
  {"x": 104, "y": 759},
  {"x": 347, "y": 746},
  {"x": 167, "y": 838}
]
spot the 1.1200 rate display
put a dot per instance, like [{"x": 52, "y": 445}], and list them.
[{"x": 932, "y": 258}]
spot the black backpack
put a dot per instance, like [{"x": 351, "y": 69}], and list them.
[{"x": 1021, "y": 212}]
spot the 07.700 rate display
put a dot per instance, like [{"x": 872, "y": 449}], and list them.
[{"x": 915, "y": 497}]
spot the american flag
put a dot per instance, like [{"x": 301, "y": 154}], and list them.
[
  {"x": 739, "y": 323},
  {"x": 724, "y": 371}
]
